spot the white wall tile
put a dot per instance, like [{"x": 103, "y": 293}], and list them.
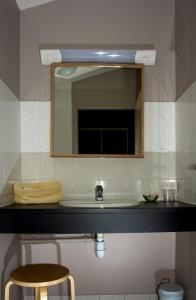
[
  {"x": 112, "y": 297},
  {"x": 159, "y": 129},
  {"x": 151, "y": 128},
  {"x": 115, "y": 186},
  {"x": 137, "y": 297},
  {"x": 85, "y": 168},
  {"x": 146, "y": 168},
  {"x": 35, "y": 126},
  {"x": 112, "y": 168},
  {"x": 85, "y": 186},
  {"x": 10, "y": 139},
  {"x": 60, "y": 168},
  {"x": 36, "y": 117},
  {"x": 40, "y": 166},
  {"x": 153, "y": 297},
  {"x": 84, "y": 173},
  {"x": 67, "y": 186},
  {"x": 186, "y": 143},
  {"x": 87, "y": 297},
  {"x": 193, "y": 98}
]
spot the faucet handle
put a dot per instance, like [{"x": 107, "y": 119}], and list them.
[{"x": 99, "y": 188}]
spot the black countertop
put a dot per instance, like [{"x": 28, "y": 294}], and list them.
[{"x": 53, "y": 218}]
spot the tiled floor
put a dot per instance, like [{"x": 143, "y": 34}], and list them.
[{"x": 105, "y": 297}]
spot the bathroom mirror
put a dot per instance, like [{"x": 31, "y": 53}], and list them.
[{"x": 97, "y": 110}]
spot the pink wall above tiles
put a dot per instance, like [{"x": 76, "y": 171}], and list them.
[
  {"x": 185, "y": 32},
  {"x": 133, "y": 263},
  {"x": 95, "y": 23},
  {"x": 10, "y": 45}
]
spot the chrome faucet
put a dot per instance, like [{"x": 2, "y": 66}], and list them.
[{"x": 99, "y": 193}]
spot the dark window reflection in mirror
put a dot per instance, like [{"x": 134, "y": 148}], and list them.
[
  {"x": 106, "y": 131},
  {"x": 97, "y": 110}
]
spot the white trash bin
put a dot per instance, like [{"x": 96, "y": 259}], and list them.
[{"x": 170, "y": 291}]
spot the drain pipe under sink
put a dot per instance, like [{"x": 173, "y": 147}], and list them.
[
  {"x": 97, "y": 237},
  {"x": 100, "y": 245}
]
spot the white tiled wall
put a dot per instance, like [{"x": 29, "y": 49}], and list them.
[
  {"x": 35, "y": 126},
  {"x": 9, "y": 141},
  {"x": 186, "y": 143},
  {"x": 135, "y": 176},
  {"x": 159, "y": 126},
  {"x": 137, "y": 257}
]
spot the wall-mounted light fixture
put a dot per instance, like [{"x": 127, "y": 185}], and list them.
[{"x": 49, "y": 56}]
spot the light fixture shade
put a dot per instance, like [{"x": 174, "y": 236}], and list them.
[{"x": 146, "y": 57}]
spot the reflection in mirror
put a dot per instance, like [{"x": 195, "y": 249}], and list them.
[{"x": 97, "y": 110}]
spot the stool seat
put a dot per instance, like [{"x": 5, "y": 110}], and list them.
[{"x": 38, "y": 275}]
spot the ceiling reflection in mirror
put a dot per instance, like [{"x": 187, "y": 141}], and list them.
[{"x": 97, "y": 110}]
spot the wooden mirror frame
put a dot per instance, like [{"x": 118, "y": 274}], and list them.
[{"x": 65, "y": 155}]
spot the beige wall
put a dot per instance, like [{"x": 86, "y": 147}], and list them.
[
  {"x": 185, "y": 45},
  {"x": 9, "y": 260},
  {"x": 9, "y": 130},
  {"x": 133, "y": 263},
  {"x": 186, "y": 102},
  {"x": 9, "y": 104},
  {"x": 186, "y": 263},
  {"x": 185, "y": 136},
  {"x": 99, "y": 24}
]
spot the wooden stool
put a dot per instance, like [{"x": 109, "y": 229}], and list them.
[{"x": 40, "y": 276}]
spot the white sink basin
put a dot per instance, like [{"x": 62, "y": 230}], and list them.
[
  {"x": 109, "y": 200},
  {"x": 97, "y": 204}
]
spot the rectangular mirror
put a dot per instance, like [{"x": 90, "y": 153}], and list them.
[{"x": 97, "y": 110}]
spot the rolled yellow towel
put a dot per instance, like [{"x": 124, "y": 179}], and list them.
[{"x": 35, "y": 193}]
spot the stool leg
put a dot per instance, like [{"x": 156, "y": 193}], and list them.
[
  {"x": 7, "y": 289},
  {"x": 37, "y": 294},
  {"x": 72, "y": 286},
  {"x": 43, "y": 293}
]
